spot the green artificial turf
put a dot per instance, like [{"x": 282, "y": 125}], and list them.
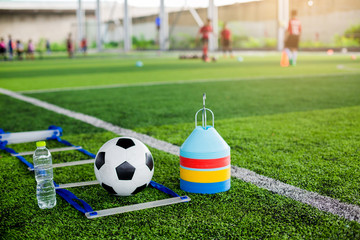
[
  {"x": 299, "y": 125},
  {"x": 317, "y": 150},
  {"x": 63, "y": 73},
  {"x": 244, "y": 212},
  {"x": 16, "y": 116},
  {"x": 157, "y": 105}
]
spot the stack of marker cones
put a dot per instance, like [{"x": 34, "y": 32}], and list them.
[{"x": 284, "y": 62}]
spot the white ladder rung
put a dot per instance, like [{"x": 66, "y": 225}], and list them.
[
  {"x": 136, "y": 207},
  {"x": 66, "y": 164},
  {"x": 51, "y": 150},
  {"x": 76, "y": 184}
]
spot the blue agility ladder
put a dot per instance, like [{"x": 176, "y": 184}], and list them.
[{"x": 54, "y": 133}]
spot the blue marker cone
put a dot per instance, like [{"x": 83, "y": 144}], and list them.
[{"x": 204, "y": 159}]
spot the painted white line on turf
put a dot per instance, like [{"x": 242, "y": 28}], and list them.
[
  {"x": 346, "y": 68},
  {"x": 152, "y": 142},
  {"x": 181, "y": 82},
  {"x": 323, "y": 203}
]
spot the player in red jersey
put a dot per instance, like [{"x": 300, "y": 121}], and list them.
[
  {"x": 226, "y": 40},
  {"x": 292, "y": 37},
  {"x": 205, "y": 32},
  {"x": 83, "y": 45}
]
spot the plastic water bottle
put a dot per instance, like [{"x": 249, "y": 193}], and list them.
[{"x": 45, "y": 190}]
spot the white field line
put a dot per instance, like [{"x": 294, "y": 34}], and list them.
[
  {"x": 323, "y": 203},
  {"x": 182, "y": 82},
  {"x": 348, "y": 211},
  {"x": 346, "y": 68},
  {"x": 152, "y": 142}
]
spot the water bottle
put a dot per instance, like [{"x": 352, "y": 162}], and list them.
[{"x": 45, "y": 189}]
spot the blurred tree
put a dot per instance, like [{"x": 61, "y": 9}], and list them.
[
  {"x": 353, "y": 32},
  {"x": 41, "y": 47}
]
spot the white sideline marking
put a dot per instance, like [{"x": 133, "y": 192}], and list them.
[
  {"x": 343, "y": 67},
  {"x": 348, "y": 211},
  {"x": 180, "y": 82},
  {"x": 152, "y": 142}
]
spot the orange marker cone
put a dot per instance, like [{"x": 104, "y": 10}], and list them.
[{"x": 284, "y": 62}]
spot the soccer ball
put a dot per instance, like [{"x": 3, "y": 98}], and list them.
[
  {"x": 139, "y": 64},
  {"x": 124, "y": 166}
]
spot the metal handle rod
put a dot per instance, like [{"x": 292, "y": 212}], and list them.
[
  {"x": 24, "y": 137},
  {"x": 51, "y": 150},
  {"x": 77, "y": 184},
  {"x": 136, "y": 207},
  {"x": 73, "y": 163},
  {"x": 204, "y": 112},
  {"x": 203, "y": 119}
]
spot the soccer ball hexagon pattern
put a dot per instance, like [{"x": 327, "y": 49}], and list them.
[{"x": 124, "y": 166}]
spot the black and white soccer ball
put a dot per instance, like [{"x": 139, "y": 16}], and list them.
[{"x": 124, "y": 166}]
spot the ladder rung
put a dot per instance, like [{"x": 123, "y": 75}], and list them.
[
  {"x": 66, "y": 164},
  {"x": 76, "y": 184},
  {"x": 51, "y": 150},
  {"x": 136, "y": 207}
]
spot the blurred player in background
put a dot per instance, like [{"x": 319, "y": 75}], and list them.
[
  {"x": 69, "y": 46},
  {"x": 30, "y": 50},
  {"x": 19, "y": 49},
  {"x": 2, "y": 49},
  {"x": 48, "y": 47},
  {"x": 83, "y": 45},
  {"x": 157, "y": 23},
  {"x": 225, "y": 40},
  {"x": 205, "y": 32},
  {"x": 292, "y": 38},
  {"x": 10, "y": 48}
]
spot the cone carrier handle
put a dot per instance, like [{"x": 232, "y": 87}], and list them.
[{"x": 204, "y": 120}]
